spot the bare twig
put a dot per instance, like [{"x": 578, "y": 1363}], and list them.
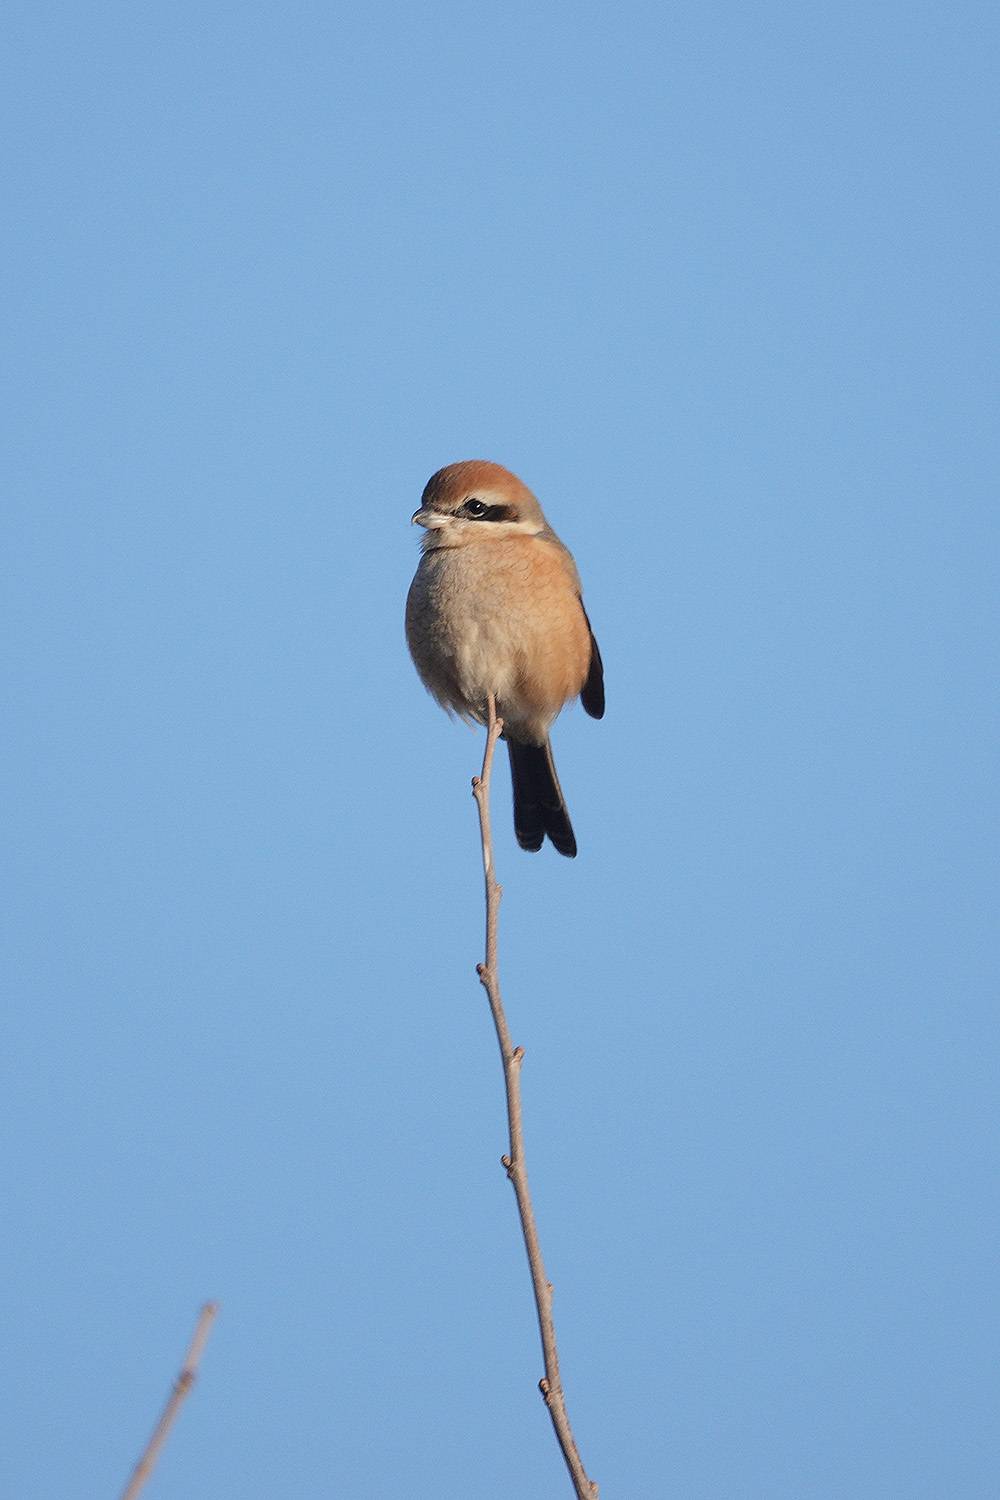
[
  {"x": 550, "y": 1385},
  {"x": 182, "y": 1385}
]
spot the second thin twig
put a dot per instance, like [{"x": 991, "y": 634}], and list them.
[{"x": 182, "y": 1386}]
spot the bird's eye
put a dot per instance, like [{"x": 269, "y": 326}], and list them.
[{"x": 474, "y": 508}]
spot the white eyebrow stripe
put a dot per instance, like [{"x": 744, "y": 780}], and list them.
[
  {"x": 445, "y": 529},
  {"x": 524, "y": 528}
]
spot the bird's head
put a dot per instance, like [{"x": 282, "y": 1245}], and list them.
[{"x": 476, "y": 501}]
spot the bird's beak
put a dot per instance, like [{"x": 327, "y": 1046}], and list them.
[{"x": 432, "y": 519}]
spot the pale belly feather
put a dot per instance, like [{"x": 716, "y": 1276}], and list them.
[{"x": 503, "y": 618}]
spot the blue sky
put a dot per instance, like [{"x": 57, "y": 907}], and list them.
[{"x": 720, "y": 283}]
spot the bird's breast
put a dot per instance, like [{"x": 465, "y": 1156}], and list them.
[{"x": 502, "y": 616}]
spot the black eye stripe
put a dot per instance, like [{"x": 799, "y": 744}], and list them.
[{"x": 477, "y": 510}]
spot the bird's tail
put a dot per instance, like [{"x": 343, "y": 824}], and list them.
[{"x": 539, "y": 808}]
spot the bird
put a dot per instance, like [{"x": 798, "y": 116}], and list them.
[{"x": 496, "y": 606}]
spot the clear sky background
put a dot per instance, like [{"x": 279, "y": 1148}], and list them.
[{"x": 719, "y": 282}]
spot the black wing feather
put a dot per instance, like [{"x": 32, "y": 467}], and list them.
[{"x": 592, "y": 693}]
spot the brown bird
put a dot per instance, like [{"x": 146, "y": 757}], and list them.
[{"x": 495, "y": 607}]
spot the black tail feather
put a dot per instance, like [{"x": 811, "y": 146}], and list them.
[{"x": 539, "y": 809}]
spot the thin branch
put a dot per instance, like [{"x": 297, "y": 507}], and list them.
[
  {"x": 514, "y": 1163},
  {"x": 182, "y": 1385}
]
